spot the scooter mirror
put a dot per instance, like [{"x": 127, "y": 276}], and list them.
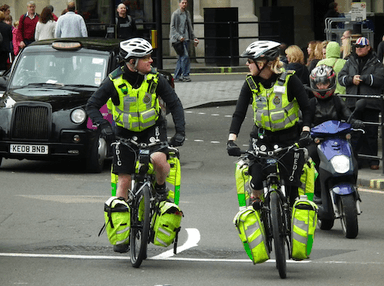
[{"x": 360, "y": 105}]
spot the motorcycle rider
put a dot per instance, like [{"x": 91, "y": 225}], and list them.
[
  {"x": 271, "y": 90},
  {"x": 134, "y": 89},
  {"x": 326, "y": 105}
]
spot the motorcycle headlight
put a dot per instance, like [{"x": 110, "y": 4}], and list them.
[
  {"x": 78, "y": 116},
  {"x": 340, "y": 163}
]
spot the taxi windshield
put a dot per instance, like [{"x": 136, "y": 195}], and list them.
[{"x": 60, "y": 68}]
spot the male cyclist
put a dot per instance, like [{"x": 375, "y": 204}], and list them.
[{"x": 134, "y": 90}]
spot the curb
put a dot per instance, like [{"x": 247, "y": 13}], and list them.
[{"x": 377, "y": 184}]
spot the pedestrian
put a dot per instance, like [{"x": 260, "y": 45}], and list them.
[
  {"x": 27, "y": 25},
  {"x": 181, "y": 33},
  {"x": 324, "y": 48},
  {"x": 125, "y": 24},
  {"x": 136, "y": 82},
  {"x": 295, "y": 57},
  {"x": 5, "y": 44},
  {"x": 71, "y": 25},
  {"x": 363, "y": 74},
  {"x": 333, "y": 60},
  {"x": 16, "y": 38},
  {"x": 6, "y": 9},
  {"x": 346, "y": 44},
  {"x": 316, "y": 56},
  {"x": 325, "y": 105},
  {"x": 278, "y": 97},
  {"x": 55, "y": 18},
  {"x": 45, "y": 28},
  {"x": 380, "y": 50}
]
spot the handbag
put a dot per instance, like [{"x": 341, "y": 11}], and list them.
[{"x": 179, "y": 48}]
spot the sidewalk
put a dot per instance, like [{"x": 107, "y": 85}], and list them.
[{"x": 203, "y": 93}]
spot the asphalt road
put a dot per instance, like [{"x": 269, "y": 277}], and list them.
[{"x": 51, "y": 213}]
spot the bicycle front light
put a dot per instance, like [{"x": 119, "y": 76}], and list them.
[{"x": 340, "y": 164}]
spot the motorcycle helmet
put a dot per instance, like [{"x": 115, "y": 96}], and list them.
[
  {"x": 134, "y": 48},
  {"x": 268, "y": 50},
  {"x": 325, "y": 75}
]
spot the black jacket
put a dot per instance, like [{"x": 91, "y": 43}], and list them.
[
  {"x": 371, "y": 74},
  {"x": 331, "y": 108},
  {"x": 107, "y": 90},
  {"x": 6, "y": 32}
]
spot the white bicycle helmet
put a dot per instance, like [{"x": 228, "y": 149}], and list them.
[
  {"x": 134, "y": 48},
  {"x": 268, "y": 50}
]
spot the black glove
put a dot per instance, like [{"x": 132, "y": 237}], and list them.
[
  {"x": 106, "y": 131},
  {"x": 233, "y": 149},
  {"x": 357, "y": 124},
  {"x": 177, "y": 140},
  {"x": 305, "y": 139}
]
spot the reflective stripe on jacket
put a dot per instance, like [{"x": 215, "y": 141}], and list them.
[
  {"x": 139, "y": 108},
  {"x": 272, "y": 109}
]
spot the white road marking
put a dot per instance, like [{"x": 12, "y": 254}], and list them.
[
  {"x": 215, "y": 142},
  {"x": 192, "y": 241}
]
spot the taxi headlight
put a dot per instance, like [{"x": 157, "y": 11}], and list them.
[
  {"x": 78, "y": 116},
  {"x": 340, "y": 163}
]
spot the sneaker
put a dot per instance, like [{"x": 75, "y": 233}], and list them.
[
  {"x": 178, "y": 80},
  {"x": 121, "y": 248},
  {"x": 187, "y": 79},
  {"x": 161, "y": 192}
]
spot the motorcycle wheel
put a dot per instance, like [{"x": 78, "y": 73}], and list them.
[{"x": 348, "y": 216}]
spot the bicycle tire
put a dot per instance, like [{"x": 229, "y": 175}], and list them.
[
  {"x": 140, "y": 223},
  {"x": 278, "y": 234}
]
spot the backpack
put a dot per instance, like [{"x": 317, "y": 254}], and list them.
[
  {"x": 304, "y": 221},
  {"x": 166, "y": 224},
  {"x": 117, "y": 218},
  {"x": 252, "y": 234}
]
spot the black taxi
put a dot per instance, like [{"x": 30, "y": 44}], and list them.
[{"x": 42, "y": 115}]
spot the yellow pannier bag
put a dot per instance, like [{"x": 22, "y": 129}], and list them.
[
  {"x": 304, "y": 221},
  {"x": 252, "y": 234},
  {"x": 242, "y": 183},
  {"x": 174, "y": 178},
  {"x": 307, "y": 180}
]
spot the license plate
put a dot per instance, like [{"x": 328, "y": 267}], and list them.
[{"x": 28, "y": 149}]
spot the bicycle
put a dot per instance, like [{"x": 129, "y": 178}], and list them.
[
  {"x": 142, "y": 197},
  {"x": 276, "y": 208}
]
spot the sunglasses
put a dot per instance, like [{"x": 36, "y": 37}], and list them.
[
  {"x": 146, "y": 58},
  {"x": 360, "y": 46},
  {"x": 250, "y": 61}
]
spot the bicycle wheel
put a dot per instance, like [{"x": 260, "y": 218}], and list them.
[
  {"x": 140, "y": 222},
  {"x": 278, "y": 233}
]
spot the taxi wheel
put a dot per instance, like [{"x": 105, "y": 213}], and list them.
[{"x": 97, "y": 155}]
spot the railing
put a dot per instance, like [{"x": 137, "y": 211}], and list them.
[
  {"x": 379, "y": 124},
  {"x": 230, "y": 37}
]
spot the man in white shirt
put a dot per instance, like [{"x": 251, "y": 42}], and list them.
[{"x": 71, "y": 25}]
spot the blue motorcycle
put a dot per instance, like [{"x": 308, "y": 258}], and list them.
[{"x": 338, "y": 170}]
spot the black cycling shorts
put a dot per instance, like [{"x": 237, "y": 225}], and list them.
[{"x": 124, "y": 157}]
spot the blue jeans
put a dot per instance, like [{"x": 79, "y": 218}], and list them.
[{"x": 183, "y": 65}]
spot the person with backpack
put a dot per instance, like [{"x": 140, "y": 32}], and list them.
[
  {"x": 134, "y": 90},
  {"x": 325, "y": 105},
  {"x": 125, "y": 24},
  {"x": 333, "y": 60},
  {"x": 27, "y": 25},
  {"x": 278, "y": 97}
]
